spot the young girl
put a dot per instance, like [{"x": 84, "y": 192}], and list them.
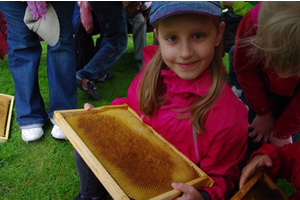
[
  {"x": 181, "y": 94},
  {"x": 266, "y": 61}
]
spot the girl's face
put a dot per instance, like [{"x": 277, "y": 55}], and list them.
[{"x": 188, "y": 42}]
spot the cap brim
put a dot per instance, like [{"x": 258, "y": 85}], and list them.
[{"x": 181, "y": 7}]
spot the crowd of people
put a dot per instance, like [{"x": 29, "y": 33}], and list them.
[
  {"x": 59, "y": 25},
  {"x": 181, "y": 91}
]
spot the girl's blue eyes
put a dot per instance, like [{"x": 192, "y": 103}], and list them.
[
  {"x": 198, "y": 36},
  {"x": 174, "y": 38}
]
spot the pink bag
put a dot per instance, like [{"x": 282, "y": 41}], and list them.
[
  {"x": 86, "y": 16},
  {"x": 37, "y": 8}
]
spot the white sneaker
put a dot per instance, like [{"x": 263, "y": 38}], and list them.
[
  {"x": 58, "y": 134},
  {"x": 237, "y": 92},
  {"x": 32, "y": 134}
]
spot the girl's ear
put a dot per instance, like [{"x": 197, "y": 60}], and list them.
[{"x": 220, "y": 33}]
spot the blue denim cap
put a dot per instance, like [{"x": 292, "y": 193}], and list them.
[{"x": 163, "y": 9}]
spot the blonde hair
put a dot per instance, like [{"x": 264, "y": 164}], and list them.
[
  {"x": 278, "y": 37},
  {"x": 151, "y": 88}
]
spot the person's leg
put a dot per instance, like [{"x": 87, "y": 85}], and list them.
[
  {"x": 76, "y": 17},
  {"x": 114, "y": 42},
  {"x": 235, "y": 86},
  {"x": 139, "y": 31},
  {"x": 24, "y": 52},
  {"x": 90, "y": 186},
  {"x": 232, "y": 75},
  {"x": 139, "y": 38},
  {"x": 61, "y": 66}
]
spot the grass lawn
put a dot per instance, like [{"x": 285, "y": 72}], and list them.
[{"x": 46, "y": 169}]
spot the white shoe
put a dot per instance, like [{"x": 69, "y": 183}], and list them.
[
  {"x": 237, "y": 92},
  {"x": 58, "y": 134},
  {"x": 32, "y": 134}
]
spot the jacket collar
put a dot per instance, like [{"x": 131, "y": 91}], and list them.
[{"x": 198, "y": 86}]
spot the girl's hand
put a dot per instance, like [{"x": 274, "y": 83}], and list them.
[
  {"x": 88, "y": 106},
  {"x": 189, "y": 192},
  {"x": 261, "y": 127},
  {"x": 259, "y": 161},
  {"x": 279, "y": 142}
]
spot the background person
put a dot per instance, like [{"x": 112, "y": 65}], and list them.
[
  {"x": 112, "y": 19},
  {"x": 266, "y": 62},
  {"x": 24, "y": 53}
]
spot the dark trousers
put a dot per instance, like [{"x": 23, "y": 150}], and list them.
[{"x": 90, "y": 186}]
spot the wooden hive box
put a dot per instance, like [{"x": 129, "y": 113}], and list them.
[
  {"x": 260, "y": 187},
  {"x": 129, "y": 158},
  {"x": 6, "y": 107}
]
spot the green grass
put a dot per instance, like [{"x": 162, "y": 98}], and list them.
[{"x": 46, "y": 169}]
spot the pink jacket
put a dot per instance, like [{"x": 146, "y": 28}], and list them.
[{"x": 223, "y": 146}]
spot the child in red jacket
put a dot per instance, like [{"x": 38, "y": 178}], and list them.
[
  {"x": 266, "y": 61},
  {"x": 281, "y": 162}
]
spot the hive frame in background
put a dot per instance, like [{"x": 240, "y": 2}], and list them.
[
  {"x": 8, "y": 117},
  {"x": 260, "y": 176}
]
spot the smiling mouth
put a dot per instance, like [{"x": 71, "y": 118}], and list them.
[{"x": 187, "y": 65}]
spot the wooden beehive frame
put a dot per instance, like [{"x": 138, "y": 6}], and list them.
[
  {"x": 102, "y": 174},
  {"x": 259, "y": 176},
  {"x": 8, "y": 117}
]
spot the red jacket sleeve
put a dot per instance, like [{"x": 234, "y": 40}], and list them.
[
  {"x": 289, "y": 121},
  {"x": 249, "y": 72},
  {"x": 286, "y": 162}
]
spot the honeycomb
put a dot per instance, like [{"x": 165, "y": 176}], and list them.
[
  {"x": 4, "y": 104},
  {"x": 142, "y": 164}
]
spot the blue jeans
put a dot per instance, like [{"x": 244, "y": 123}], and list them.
[
  {"x": 112, "y": 19},
  {"x": 24, "y": 53},
  {"x": 76, "y": 17}
]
